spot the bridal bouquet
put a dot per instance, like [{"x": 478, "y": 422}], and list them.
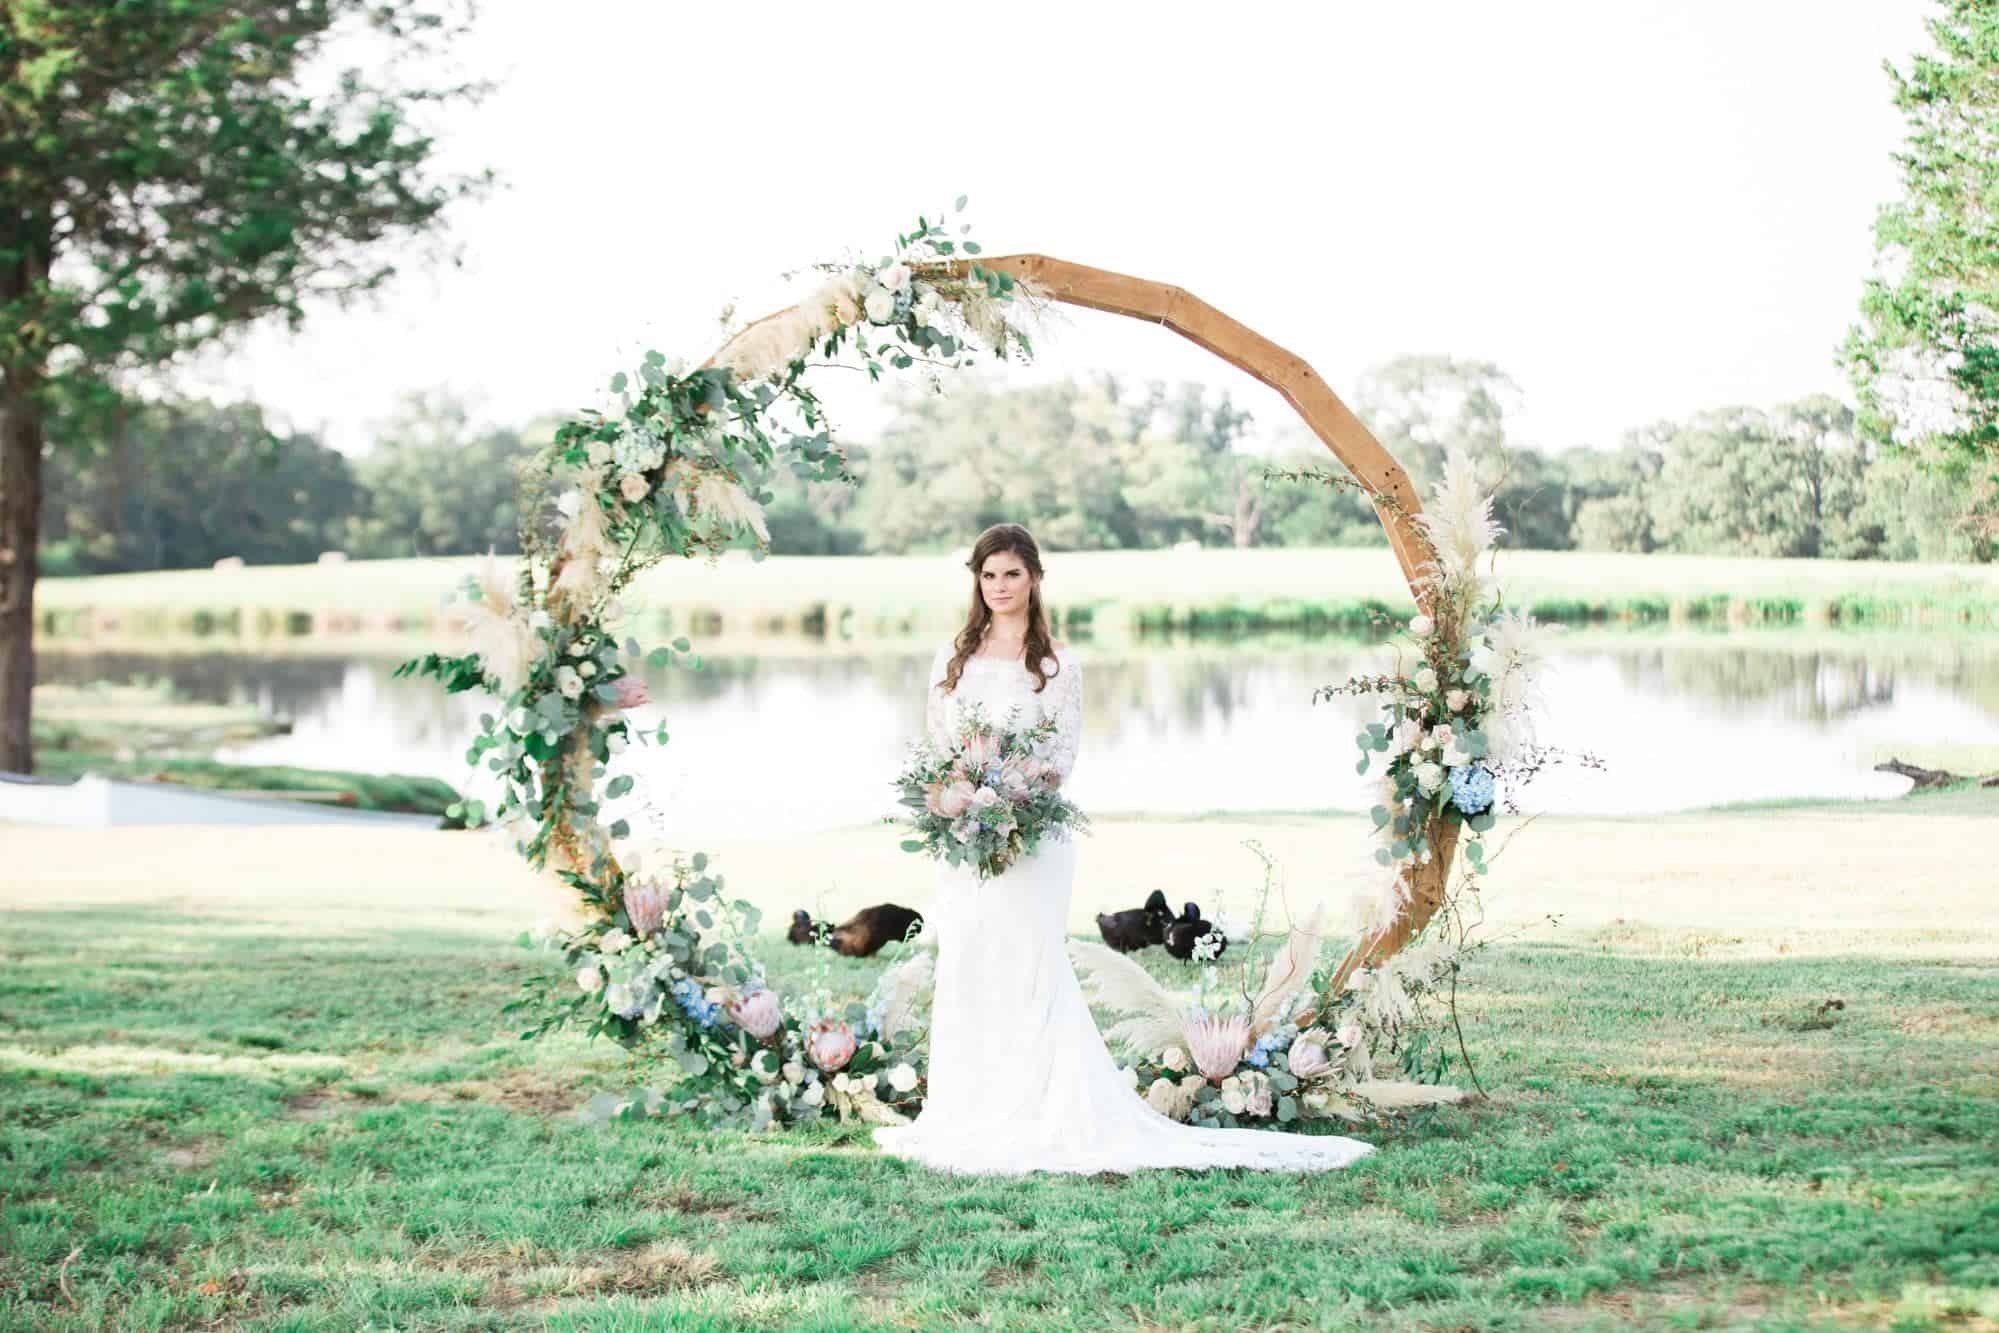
[{"x": 989, "y": 798}]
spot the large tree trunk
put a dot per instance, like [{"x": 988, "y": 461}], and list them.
[
  {"x": 21, "y": 410},
  {"x": 20, "y": 533}
]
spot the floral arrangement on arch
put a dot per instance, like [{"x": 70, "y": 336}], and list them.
[
  {"x": 1455, "y": 725},
  {"x": 678, "y": 469},
  {"x": 1293, "y": 1042}
]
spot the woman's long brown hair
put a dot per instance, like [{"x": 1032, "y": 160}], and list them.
[{"x": 1016, "y": 540}]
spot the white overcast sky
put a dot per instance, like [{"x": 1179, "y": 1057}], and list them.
[{"x": 1638, "y": 208}]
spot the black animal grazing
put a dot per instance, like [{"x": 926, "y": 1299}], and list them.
[
  {"x": 864, "y": 933},
  {"x": 1136, "y": 928},
  {"x": 1186, "y": 929}
]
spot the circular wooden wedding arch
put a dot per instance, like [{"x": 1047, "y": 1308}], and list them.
[
  {"x": 1379, "y": 475},
  {"x": 1387, "y": 485}
]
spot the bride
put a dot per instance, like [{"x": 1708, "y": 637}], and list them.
[{"x": 1020, "y": 1080}]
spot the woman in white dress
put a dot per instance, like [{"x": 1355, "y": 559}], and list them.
[{"x": 1020, "y": 1080}]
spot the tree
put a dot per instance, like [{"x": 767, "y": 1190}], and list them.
[
  {"x": 127, "y": 504},
  {"x": 436, "y": 486},
  {"x": 1924, "y": 358},
  {"x": 1739, "y": 481},
  {"x": 168, "y": 176}
]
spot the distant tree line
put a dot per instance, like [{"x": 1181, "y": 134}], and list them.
[{"x": 1087, "y": 464}]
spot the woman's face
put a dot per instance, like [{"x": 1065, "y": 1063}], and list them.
[{"x": 1004, "y": 583}]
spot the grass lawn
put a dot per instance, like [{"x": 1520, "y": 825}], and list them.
[{"x": 239, "y": 1094}]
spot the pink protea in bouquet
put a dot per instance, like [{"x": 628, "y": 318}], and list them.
[{"x": 987, "y": 799}]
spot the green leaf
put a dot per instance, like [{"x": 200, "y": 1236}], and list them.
[
  {"x": 959, "y": 207},
  {"x": 699, "y": 862},
  {"x": 912, "y": 845},
  {"x": 973, "y": 248},
  {"x": 621, "y": 829},
  {"x": 659, "y": 657},
  {"x": 1287, "y": 1109},
  {"x": 681, "y": 644},
  {"x": 618, "y": 382},
  {"x": 621, "y": 784}
]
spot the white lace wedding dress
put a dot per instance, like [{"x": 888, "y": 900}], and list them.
[{"x": 1020, "y": 1079}]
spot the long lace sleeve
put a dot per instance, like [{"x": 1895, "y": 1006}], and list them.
[
  {"x": 937, "y": 710},
  {"x": 1067, "y": 710}
]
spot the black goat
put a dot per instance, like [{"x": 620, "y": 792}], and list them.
[{"x": 1136, "y": 928}]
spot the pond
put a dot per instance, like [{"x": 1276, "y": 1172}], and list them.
[{"x": 804, "y": 736}]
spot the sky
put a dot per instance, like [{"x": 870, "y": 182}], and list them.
[{"x": 1637, "y": 210}]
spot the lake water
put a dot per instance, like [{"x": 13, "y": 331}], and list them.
[{"x": 808, "y": 738}]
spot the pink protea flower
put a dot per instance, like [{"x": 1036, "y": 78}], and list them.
[
  {"x": 1017, "y": 778},
  {"x": 931, "y": 793},
  {"x": 646, "y": 906},
  {"x": 981, "y": 750},
  {"x": 830, "y": 1044},
  {"x": 632, "y": 692},
  {"x": 1217, "y": 1044},
  {"x": 955, "y": 799},
  {"x": 1308, "y": 1055},
  {"x": 756, "y": 1013}
]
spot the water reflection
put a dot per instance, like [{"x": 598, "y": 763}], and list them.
[{"x": 805, "y": 739}]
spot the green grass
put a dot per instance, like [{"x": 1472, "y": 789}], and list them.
[
  {"x": 204, "y": 1123},
  {"x": 1208, "y": 591}
]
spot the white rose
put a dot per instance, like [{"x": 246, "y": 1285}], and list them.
[
  {"x": 1174, "y": 1059},
  {"x": 902, "y": 1078},
  {"x": 568, "y": 503},
  {"x": 590, "y": 980},
  {"x": 598, "y": 452},
  {"x": 1429, "y": 777},
  {"x": 1349, "y": 1034},
  {"x": 1426, "y": 680},
  {"x": 1483, "y": 658},
  {"x": 794, "y": 1072},
  {"x": 586, "y": 669},
  {"x": 1455, "y": 755},
  {"x": 814, "y": 1094},
  {"x": 1441, "y": 738},
  {"x": 929, "y": 306},
  {"x": 841, "y": 1083},
  {"x": 1407, "y": 734},
  {"x": 895, "y": 277},
  {"x": 764, "y": 1065},
  {"x": 880, "y": 305},
  {"x": 568, "y": 683},
  {"x": 617, "y": 744},
  {"x": 1234, "y": 1096},
  {"x": 1455, "y": 700},
  {"x": 1422, "y": 627},
  {"x": 615, "y": 941},
  {"x": 541, "y": 620}
]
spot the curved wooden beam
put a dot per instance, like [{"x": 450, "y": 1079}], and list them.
[{"x": 1395, "y": 499}]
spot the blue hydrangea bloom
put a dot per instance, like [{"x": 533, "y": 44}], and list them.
[
  {"x": 1472, "y": 788},
  {"x": 1258, "y": 1057},
  {"x": 697, "y": 1005}
]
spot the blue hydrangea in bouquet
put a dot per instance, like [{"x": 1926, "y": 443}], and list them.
[{"x": 988, "y": 798}]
